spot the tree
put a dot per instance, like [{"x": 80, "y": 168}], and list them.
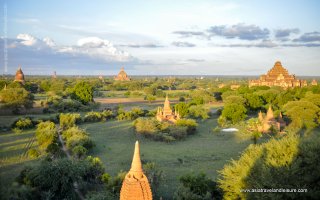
[
  {"x": 199, "y": 111},
  {"x": 182, "y": 108},
  {"x": 155, "y": 176},
  {"x": 252, "y": 128},
  {"x": 302, "y": 113},
  {"x": 234, "y": 99},
  {"x": 201, "y": 97},
  {"x": 150, "y": 98},
  {"x": 16, "y": 98},
  {"x": 46, "y": 134},
  {"x": 294, "y": 159},
  {"x": 253, "y": 101},
  {"x": 196, "y": 187},
  {"x": 234, "y": 112},
  {"x": 83, "y": 92}
]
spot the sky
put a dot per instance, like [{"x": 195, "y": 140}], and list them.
[{"x": 159, "y": 37}]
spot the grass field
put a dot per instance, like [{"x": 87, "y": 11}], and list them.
[
  {"x": 13, "y": 157},
  {"x": 203, "y": 152}
]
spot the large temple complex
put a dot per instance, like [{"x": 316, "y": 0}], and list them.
[
  {"x": 135, "y": 185},
  {"x": 122, "y": 76},
  {"x": 269, "y": 121},
  {"x": 278, "y": 76},
  {"x": 166, "y": 113},
  {"x": 19, "y": 76}
]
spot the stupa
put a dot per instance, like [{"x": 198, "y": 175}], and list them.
[
  {"x": 122, "y": 76},
  {"x": 314, "y": 82},
  {"x": 278, "y": 76},
  {"x": 270, "y": 121},
  {"x": 166, "y": 114},
  {"x": 19, "y": 76},
  {"x": 135, "y": 185},
  {"x": 54, "y": 75}
]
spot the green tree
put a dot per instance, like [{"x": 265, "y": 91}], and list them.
[
  {"x": 294, "y": 159},
  {"x": 16, "y": 98},
  {"x": 199, "y": 111},
  {"x": 46, "y": 134},
  {"x": 196, "y": 187},
  {"x": 234, "y": 112},
  {"x": 253, "y": 101},
  {"x": 155, "y": 176},
  {"x": 83, "y": 92},
  {"x": 182, "y": 108},
  {"x": 303, "y": 114}
]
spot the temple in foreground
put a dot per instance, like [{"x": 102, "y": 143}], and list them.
[
  {"x": 135, "y": 185},
  {"x": 270, "y": 121},
  {"x": 166, "y": 113},
  {"x": 19, "y": 76},
  {"x": 278, "y": 76},
  {"x": 122, "y": 76}
]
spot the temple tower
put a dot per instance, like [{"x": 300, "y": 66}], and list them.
[
  {"x": 122, "y": 76},
  {"x": 135, "y": 185},
  {"x": 19, "y": 76}
]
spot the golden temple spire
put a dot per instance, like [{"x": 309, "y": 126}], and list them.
[
  {"x": 135, "y": 185},
  {"x": 270, "y": 113},
  {"x": 136, "y": 161}
]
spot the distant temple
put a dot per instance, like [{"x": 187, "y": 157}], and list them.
[
  {"x": 278, "y": 76},
  {"x": 166, "y": 114},
  {"x": 19, "y": 76},
  {"x": 122, "y": 76},
  {"x": 54, "y": 75},
  {"x": 269, "y": 121},
  {"x": 314, "y": 82},
  {"x": 135, "y": 185}
]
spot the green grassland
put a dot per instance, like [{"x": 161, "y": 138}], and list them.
[
  {"x": 203, "y": 152},
  {"x": 13, "y": 155}
]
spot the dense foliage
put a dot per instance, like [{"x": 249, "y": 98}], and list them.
[{"x": 292, "y": 158}]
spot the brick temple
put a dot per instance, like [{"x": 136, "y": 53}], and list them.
[
  {"x": 278, "y": 76},
  {"x": 122, "y": 76}
]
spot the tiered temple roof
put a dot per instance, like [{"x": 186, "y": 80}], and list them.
[
  {"x": 166, "y": 114},
  {"x": 278, "y": 76},
  {"x": 122, "y": 76},
  {"x": 19, "y": 76},
  {"x": 135, "y": 185}
]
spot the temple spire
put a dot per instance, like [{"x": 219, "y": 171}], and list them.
[{"x": 136, "y": 161}]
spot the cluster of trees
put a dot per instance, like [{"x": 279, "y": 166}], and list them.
[
  {"x": 197, "y": 187},
  {"x": 295, "y": 159},
  {"x": 76, "y": 139},
  {"x": 165, "y": 131},
  {"x": 300, "y": 105},
  {"x": 16, "y": 97}
]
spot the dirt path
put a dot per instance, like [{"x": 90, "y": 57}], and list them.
[{"x": 66, "y": 151}]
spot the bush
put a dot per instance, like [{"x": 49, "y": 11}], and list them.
[
  {"x": 46, "y": 134},
  {"x": 147, "y": 126},
  {"x": 33, "y": 153},
  {"x": 196, "y": 187},
  {"x": 198, "y": 111},
  {"x": 189, "y": 123},
  {"x": 294, "y": 159},
  {"x": 178, "y": 132},
  {"x": 93, "y": 117},
  {"x": 79, "y": 151},
  {"x": 23, "y": 123},
  {"x": 75, "y": 136},
  {"x": 17, "y": 130},
  {"x": 69, "y": 120}
]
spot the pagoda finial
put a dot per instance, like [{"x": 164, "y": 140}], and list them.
[
  {"x": 136, "y": 161},
  {"x": 122, "y": 68}
]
